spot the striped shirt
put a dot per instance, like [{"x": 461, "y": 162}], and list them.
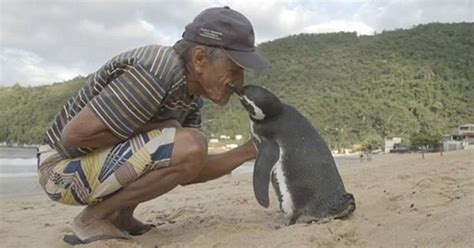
[{"x": 135, "y": 87}]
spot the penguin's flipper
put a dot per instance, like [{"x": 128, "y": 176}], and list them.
[{"x": 268, "y": 155}]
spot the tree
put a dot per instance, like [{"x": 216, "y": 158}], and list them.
[
  {"x": 371, "y": 142},
  {"x": 425, "y": 139}
]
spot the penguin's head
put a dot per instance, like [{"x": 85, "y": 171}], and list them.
[{"x": 258, "y": 101}]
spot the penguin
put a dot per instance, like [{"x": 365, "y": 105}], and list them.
[{"x": 295, "y": 158}]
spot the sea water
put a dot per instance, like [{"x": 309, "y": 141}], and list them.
[{"x": 18, "y": 176}]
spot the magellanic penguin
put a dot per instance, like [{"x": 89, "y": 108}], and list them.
[{"x": 294, "y": 157}]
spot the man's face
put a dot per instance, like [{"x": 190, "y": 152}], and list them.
[{"x": 215, "y": 77}]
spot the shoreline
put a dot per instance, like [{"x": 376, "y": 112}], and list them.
[
  {"x": 18, "y": 176},
  {"x": 17, "y": 152}
]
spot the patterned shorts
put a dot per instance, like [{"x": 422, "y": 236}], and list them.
[{"x": 88, "y": 179}]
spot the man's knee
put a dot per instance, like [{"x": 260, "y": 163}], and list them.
[
  {"x": 191, "y": 141},
  {"x": 189, "y": 153}
]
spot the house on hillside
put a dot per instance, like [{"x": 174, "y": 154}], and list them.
[
  {"x": 390, "y": 143},
  {"x": 461, "y": 137}
]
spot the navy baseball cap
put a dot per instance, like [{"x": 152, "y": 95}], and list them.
[{"x": 230, "y": 30}]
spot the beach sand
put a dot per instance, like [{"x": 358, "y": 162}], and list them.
[{"x": 402, "y": 201}]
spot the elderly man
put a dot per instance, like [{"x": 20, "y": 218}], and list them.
[{"x": 130, "y": 134}]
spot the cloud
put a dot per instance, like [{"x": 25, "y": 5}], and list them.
[
  {"x": 340, "y": 25},
  {"x": 26, "y": 66},
  {"x": 274, "y": 19},
  {"x": 48, "y": 41},
  {"x": 71, "y": 37},
  {"x": 393, "y": 14}
]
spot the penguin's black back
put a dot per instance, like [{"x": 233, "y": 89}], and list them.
[{"x": 309, "y": 167}]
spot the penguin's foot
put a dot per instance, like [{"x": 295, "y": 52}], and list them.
[{"x": 349, "y": 207}]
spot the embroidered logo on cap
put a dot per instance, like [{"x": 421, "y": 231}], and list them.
[{"x": 210, "y": 34}]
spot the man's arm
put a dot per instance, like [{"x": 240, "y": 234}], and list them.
[
  {"x": 158, "y": 125},
  {"x": 87, "y": 130},
  {"x": 218, "y": 165}
]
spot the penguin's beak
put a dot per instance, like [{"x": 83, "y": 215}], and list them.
[{"x": 234, "y": 89}]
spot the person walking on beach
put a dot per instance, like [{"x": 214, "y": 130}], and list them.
[{"x": 132, "y": 133}]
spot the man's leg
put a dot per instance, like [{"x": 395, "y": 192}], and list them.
[
  {"x": 216, "y": 166},
  {"x": 187, "y": 160}
]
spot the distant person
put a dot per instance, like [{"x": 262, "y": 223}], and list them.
[
  {"x": 368, "y": 155},
  {"x": 361, "y": 157},
  {"x": 131, "y": 133}
]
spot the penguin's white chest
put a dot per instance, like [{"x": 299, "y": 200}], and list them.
[
  {"x": 278, "y": 173},
  {"x": 286, "y": 203},
  {"x": 252, "y": 131}
]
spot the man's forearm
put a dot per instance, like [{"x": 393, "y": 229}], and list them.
[
  {"x": 105, "y": 138},
  {"x": 218, "y": 165},
  {"x": 98, "y": 140},
  {"x": 157, "y": 125}
]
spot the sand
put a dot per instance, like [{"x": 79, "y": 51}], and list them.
[{"x": 402, "y": 201}]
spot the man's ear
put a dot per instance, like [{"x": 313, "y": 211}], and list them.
[{"x": 199, "y": 58}]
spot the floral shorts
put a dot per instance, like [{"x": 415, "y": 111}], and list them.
[{"x": 88, "y": 179}]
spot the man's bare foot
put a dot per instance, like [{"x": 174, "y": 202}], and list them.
[
  {"x": 125, "y": 221},
  {"x": 87, "y": 226},
  {"x": 133, "y": 226}
]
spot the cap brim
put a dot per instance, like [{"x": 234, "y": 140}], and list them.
[{"x": 248, "y": 60}]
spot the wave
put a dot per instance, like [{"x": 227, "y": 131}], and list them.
[
  {"x": 21, "y": 174},
  {"x": 18, "y": 161}
]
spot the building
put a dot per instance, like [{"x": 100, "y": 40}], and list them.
[
  {"x": 465, "y": 133},
  {"x": 449, "y": 144},
  {"x": 461, "y": 137},
  {"x": 390, "y": 143}
]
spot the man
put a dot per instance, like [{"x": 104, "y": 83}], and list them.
[{"x": 129, "y": 135}]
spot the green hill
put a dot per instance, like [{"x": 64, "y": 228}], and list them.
[{"x": 353, "y": 88}]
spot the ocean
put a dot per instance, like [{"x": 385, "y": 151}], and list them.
[{"x": 18, "y": 176}]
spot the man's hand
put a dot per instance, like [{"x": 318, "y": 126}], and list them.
[{"x": 251, "y": 148}]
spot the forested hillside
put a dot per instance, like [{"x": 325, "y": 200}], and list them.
[{"x": 354, "y": 89}]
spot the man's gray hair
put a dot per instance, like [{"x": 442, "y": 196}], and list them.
[{"x": 184, "y": 48}]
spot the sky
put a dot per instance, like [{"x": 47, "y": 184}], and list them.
[{"x": 48, "y": 41}]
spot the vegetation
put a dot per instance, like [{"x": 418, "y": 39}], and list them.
[
  {"x": 372, "y": 142},
  {"x": 26, "y": 112},
  {"x": 354, "y": 89},
  {"x": 425, "y": 140}
]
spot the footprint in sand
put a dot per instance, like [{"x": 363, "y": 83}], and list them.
[{"x": 403, "y": 177}]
